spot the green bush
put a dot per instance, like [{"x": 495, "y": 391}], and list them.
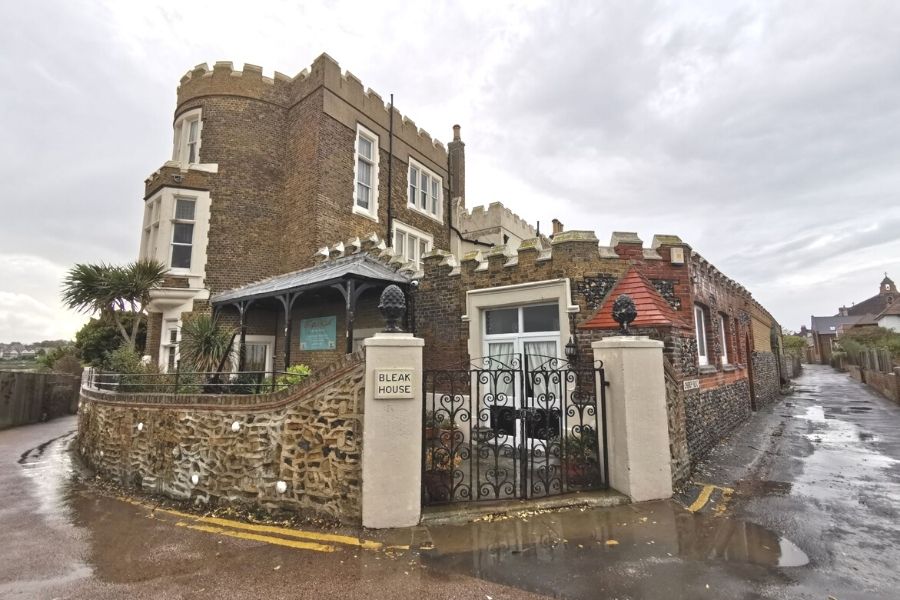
[{"x": 294, "y": 375}]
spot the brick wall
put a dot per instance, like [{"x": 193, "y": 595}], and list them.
[{"x": 309, "y": 436}]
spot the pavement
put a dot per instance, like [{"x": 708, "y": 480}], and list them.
[{"x": 801, "y": 502}]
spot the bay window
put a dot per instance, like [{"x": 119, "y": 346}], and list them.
[
  {"x": 186, "y": 147},
  {"x": 182, "y": 233}
]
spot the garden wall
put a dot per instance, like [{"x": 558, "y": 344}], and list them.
[
  {"x": 766, "y": 384},
  {"x": 308, "y": 436},
  {"x": 27, "y": 397},
  {"x": 887, "y": 384}
]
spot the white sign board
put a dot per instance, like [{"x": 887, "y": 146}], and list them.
[
  {"x": 392, "y": 384},
  {"x": 692, "y": 384}
]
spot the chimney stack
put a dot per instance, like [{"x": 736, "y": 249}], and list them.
[
  {"x": 456, "y": 159},
  {"x": 843, "y": 311},
  {"x": 557, "y": 226}
]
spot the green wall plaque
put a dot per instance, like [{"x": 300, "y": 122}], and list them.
[{"x": 318, "y": 333}]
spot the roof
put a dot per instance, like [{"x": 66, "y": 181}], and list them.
[
  {"x": 652, "y": 309},
  {"x": 892, "y": 310},
  {"x": 829, "y": 325},
  {"x": 870, "y": 306},
  {"x": 355, "y": 266}
]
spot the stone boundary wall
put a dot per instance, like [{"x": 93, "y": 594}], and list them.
[
  {"x": 27, "y": 397},
  {"x": 791, "y": 366},
  {"x": 681, "y": 459},
  {"x": 232, "y": 449},
  {"x": 711, "y": 414},
  {"x": 766, "y": 385}
]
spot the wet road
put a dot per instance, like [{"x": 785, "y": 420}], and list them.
[{"x": 813, "y": 513}]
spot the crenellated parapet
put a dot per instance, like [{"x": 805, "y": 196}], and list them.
[
  {"x": 570, "y": 254},
  {"x": 286, "y": 92},
  {"x": 481, "y": 219}
]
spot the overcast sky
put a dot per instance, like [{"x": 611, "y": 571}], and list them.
[{"x": 765, "y": 134}]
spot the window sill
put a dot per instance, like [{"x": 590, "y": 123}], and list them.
[
  {"x": 707, "y": 369},
  {"x": 357, "y": 210},
  {"x": 729, "y": 368}
]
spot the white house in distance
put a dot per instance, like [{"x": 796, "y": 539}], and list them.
[{"x": 890, "y": 317}]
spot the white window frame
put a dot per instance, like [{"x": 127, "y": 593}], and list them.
[
  {"x": 372, "y": 211},
  {"x": 702, "y": 338},
  {"x": 408, "y": 231},
  {"x": 181, "y": 145},
  {"x": 414, "y": 190},
  {"x": 519, "y": 337},
  {"x": 170, "y": 347},
  {"x": 722, "y": 333},
  {"x": 265, "y": 340},
  {"x": 172, "y": 242}
]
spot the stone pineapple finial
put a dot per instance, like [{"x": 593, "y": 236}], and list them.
[
  {"x": 624, "y": 311},
  {"x": 392, "y": 307}
]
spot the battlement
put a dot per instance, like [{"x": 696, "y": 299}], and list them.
[
  {"x": 703, "y": 268},
  {"x": 280, "y": 89},
  {"x": 568, "y": 250},
  {"x": 495, "y": 215}
]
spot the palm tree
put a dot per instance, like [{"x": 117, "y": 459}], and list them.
[
  {"x": 204, "y": 343},
  {"x": 112, "y": 291}
]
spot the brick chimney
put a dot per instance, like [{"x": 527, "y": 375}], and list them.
[
  {"x": 843, "y": 311},
  {"x": 456, "y": 157},
  {"x": 557, "y": 226}
]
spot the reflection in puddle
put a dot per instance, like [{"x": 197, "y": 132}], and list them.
[{"x": 591, "y": 544}]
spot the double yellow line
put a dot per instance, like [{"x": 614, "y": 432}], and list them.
[{"x": 290, "y": 538}]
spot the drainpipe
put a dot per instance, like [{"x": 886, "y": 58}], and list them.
[{"x": 390, "y": 215}]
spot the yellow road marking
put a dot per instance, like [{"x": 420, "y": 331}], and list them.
[
  {"x": 296, "y": 533},
  {"x": 702, "y": 499},
  {"x": 259, "y": 538},
  {"x": 308, "y": 535}
]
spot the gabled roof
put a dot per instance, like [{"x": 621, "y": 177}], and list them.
[
  {"x": 893, "y": 309},
  {"x": 652, "y": 309},
  {"x": 870, "y": 306},
  {"x": 356, "y": 266}
]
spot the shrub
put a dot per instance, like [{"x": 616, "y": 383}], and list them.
[{"x": 294, "y": 375}]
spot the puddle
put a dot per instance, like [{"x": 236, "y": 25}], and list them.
[{"x": 571, "y": 553}]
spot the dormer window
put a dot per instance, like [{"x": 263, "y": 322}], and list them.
[{"x": 186, "y": 148}]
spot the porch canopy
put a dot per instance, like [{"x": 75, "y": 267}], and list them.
[{"x": 350, "y": 275}]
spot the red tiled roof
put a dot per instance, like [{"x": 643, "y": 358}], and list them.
[{"x": 652, "y": 309}]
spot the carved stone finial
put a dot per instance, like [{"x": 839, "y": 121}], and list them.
[
  {"x": 392, "y": 307},
  {"x": 624, "y": 311}
]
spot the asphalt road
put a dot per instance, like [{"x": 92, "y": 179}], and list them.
[{"x": 800, "y": 503}]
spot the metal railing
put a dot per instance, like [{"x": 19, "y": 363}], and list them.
[{"x": 192, "y": 382}]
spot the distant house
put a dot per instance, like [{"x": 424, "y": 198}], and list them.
[
  {"x": 881, "y": 309},
  {"x": 890, "y": 317}
]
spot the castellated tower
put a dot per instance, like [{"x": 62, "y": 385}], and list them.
[{"x": 266, "y": 170}]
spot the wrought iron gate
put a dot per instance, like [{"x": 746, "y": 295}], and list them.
[{"x": 525, "y": 427}]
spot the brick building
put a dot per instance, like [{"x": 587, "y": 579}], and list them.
[{"x": 290, "y": 203}]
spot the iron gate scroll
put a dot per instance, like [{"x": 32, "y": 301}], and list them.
[{"x": 514, "y": 428}]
